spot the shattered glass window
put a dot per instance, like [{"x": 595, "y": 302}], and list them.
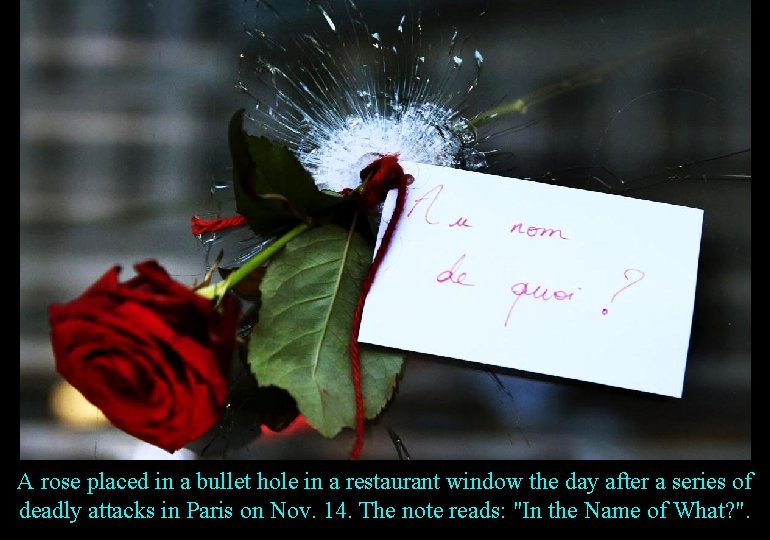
[{"x": 123, "y": 130}]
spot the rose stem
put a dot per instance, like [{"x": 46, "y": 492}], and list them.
[{"x": 218, "y": 289}]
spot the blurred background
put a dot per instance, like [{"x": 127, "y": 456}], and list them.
[{"x": 124, "y": 107}]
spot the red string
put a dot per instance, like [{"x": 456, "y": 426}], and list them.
[
  {"x": 383, "y": 175},
  {"x": 203, "y": 226}
]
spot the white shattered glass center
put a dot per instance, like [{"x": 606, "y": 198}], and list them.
[
  {"x": 340, "y": 102},
  {"x": 421, "y": 133}
]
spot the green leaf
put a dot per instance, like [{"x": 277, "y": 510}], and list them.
[
  {"x": 272, "y": 188},
  {"x": 300, "y": 344}
]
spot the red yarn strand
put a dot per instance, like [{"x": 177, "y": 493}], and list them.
[
  {"x": 387, "y": 174},
  {"x": 203, "y": 226}
]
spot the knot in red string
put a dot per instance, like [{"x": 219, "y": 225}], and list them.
[{"x": 380, "y": 176}]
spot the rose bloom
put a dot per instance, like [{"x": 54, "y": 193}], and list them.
[{"x": 152, "y": 354}]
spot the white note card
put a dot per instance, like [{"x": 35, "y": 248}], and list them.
[{"x": 540, "y": 278}]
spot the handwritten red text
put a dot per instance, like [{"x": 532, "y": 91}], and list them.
[
  {"x": 453, "y": 275},
  {"x": 538, "y": 231},
  {"x": 538, "y": 293},
  {"x": 461, "y": 222},
  {"x": 431, "y": 195}
]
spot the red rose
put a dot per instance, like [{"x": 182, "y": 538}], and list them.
[{"x": 150, "y": 353}]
